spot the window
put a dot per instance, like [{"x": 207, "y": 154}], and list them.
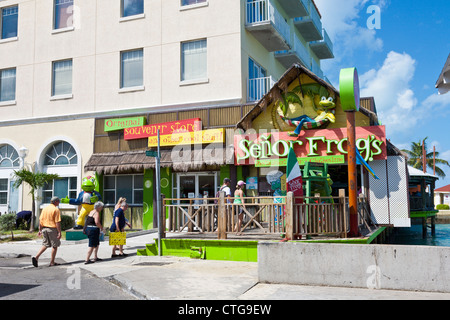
[
  {"x": 63, "y": 14},
  {"x": 9, "y": 157},
  {"x": 259, "y": 83},
  {"x": 60, "y": 188},
  {"x": 60, "y": 158},
  {"x": 132, "y": 65},
  {"x": 62, "y": 78},
  {"x": 130, "y": 186},
  {"x": 60, "y": 154},
  {"x": 8, "y": 85},
  {"x": 193, "y": 60},
  {"x": 191, "y": 2},
  {"x": 3, "y": 191},
  {"x": 9, "y": 18},
  {"x": 132, "y": 7}
]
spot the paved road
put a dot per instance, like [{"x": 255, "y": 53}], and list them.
[
  {"x": 21, "y": 281},
  {"x": 165, "y": 278}
]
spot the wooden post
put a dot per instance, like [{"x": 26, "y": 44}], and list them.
[
  {"x": 190, "y": 213},
  {"x": 289, "y": 216},
  {"x": 342, "y": 211},
  {"x": 222, "y": 218},
  {"x": 352, "y": 174}
]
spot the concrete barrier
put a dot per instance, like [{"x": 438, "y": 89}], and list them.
[{"x": 412, "y": 268}]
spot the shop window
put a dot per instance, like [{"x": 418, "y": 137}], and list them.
[
  {"x": 9, "y": 17},
  {"x": 62, "y": 78},
  {"x": 132, "y": 7},
  {"x": 63, "y": 14},
  {"x": 194, "y": 60},
  {"x": 132, "y": 68},
  {"x": 130, "y": 187},
  {"x": 8, "y": 85}
]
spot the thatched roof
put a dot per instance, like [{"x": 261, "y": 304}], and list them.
[
  {"x": 286, "y": 79},
  {"x": 181, "y": 158}
]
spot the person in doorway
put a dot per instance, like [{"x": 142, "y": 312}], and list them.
[
  {"x": 118, "y": 225},
  {"x": 93, "y": 229},
  {"x": 239, "y": 200},
  {"x": 50, "y": 229}
]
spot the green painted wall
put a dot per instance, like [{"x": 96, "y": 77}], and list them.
[
  {"x": 227, "y": 250},
  {"x": 148, "y": 200}
]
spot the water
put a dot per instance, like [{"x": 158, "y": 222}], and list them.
[{"x": 413, "y": 236}]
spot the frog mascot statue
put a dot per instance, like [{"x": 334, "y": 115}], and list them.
[{"x": 86, "y": 198}]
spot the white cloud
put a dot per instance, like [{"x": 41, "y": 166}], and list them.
[
  {"x": 390, "y": 86},
  {"x": 445, "y": 155},
  {"x": 437, "y": 102},
  {"x": 340, "y": 19}
]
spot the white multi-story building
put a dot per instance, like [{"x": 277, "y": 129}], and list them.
[{"x": 64, "y": 63}]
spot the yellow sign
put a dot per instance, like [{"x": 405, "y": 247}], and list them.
[
  {"x": 117, "y": 238},
  {"x": 186, "y": 138}
]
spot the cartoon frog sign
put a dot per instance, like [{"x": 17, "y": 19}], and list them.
[{"x": 86, "y": 199}]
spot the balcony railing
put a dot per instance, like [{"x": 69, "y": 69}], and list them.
[
  {"x": 295, "y": 8},
  {"x": 323, "y": 48},
  {"x": 315, "y": 68},
  {"x": 257, "y": 88},
  {"x": 266, "y": 23},
  {"x": 311, "y": 26},
  {"x": 298, "y": 54}
]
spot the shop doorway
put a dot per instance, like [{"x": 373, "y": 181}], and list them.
[{"x": 196, "y": 185}]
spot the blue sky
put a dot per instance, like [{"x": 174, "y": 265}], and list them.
[{"x": 398, "y": 64}]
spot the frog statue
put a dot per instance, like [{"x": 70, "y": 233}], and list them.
[{"x": 86, "y": 198}]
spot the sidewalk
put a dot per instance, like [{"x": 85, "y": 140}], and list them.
[{"x": 174, "y": 278}]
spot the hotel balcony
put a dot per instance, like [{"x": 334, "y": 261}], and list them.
[
  {"x": 257, "y": 88},
  {"x": 324, "y": 48},
  {"x": 298, "y": 54},
  {"x": 267, "y": 25},
  {"x": 310, "y": 27},
  {"x": 295, "y": 8}
]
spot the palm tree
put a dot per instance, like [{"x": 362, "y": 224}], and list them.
[
  {"x": 35, "y": 180},
  {"x": 416, "y": 157}
]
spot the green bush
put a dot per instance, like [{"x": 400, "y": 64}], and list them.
[
  {"x": 442, "y": 207},
  {"x": 66, "y": 222},
  {"x": 8, "y": 223}
]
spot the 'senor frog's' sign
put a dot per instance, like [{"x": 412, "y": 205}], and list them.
[
  {"x": 327, "y": 145},
  {"x": 120, "y": 124}
]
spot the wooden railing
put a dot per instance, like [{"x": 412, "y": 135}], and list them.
[{"x": 263, "y": 216}]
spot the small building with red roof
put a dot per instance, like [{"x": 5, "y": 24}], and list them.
[{"x": 442, "y": 195}]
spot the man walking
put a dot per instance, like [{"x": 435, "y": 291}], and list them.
[
  {"x": 50, "y": 229},
  {"x": 226, "y": 188}
]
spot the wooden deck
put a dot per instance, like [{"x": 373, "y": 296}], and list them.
[{"x": 271, "y": 218}]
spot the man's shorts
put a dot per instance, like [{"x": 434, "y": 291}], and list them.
[{"x": 50, "y": 238}]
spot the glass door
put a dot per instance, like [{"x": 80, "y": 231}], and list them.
[{"x": 196, "y": 185}]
